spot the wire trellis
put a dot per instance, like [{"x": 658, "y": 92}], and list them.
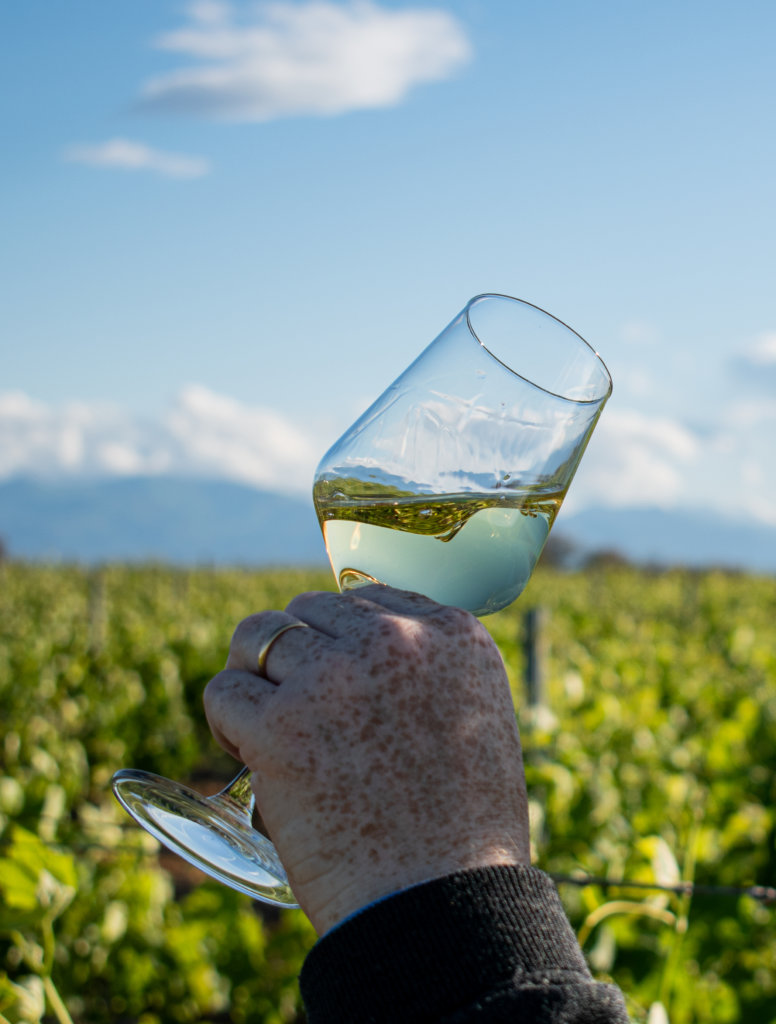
[{"x": 765, "y": 894}]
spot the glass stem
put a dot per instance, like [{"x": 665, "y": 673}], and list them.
[{"x": 239, "y": 792}]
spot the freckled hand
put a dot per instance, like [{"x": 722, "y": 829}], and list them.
[{"x": 388, "y": 754}]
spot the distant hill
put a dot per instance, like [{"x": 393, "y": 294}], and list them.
[
  {"x": 157, "y": 519},
  {"x": 188, "y": 522},
  {"x": 663, "y": 538}
]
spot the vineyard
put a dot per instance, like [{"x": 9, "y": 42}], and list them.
[{"x": 651, "y": 763}]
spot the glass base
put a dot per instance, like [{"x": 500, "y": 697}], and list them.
[
  {"x": 351, "y": 579},
  {"x": 212, "y": 833}
]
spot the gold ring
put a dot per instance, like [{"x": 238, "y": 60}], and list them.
[{"x": 263, "y": 653}]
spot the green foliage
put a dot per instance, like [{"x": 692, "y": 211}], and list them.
[
  {"x": 655, "y": 759},
  {"x": 652, "y": 760},
  {"x": 101, "y": 670}
]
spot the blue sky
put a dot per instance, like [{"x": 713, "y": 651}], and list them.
[{"x": 228, "y": 226}]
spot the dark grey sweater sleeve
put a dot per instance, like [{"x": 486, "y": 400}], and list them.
[{"x": 489, "y": 946}]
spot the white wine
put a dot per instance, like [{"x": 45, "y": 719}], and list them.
[{"x": 475, "y": 551}]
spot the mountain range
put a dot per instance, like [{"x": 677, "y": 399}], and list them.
[
  {"x": 180, "y": 521},
  {"x": 212, "y": 522}
]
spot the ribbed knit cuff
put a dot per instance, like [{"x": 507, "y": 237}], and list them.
[{"x": 426, "y": 952}]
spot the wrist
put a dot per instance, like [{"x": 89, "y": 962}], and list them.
[{"x": 332, "y": 900}]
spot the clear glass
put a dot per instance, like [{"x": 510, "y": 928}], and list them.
[
  {"x": 447, "y": 485},
  {"x": 214, "y": 833},
  {"x": 450, "y": 482}
]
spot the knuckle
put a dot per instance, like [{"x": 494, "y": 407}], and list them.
[
  {"x": 297, "y": 604},
  {"x": 458, "y": 620},
  {"x": 214, "y": 691},
  {"x": 247, "y": 627},
  {"x": 253, "y": 625}
]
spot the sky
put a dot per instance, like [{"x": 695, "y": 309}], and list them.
[{"x": 228, "y": 226}]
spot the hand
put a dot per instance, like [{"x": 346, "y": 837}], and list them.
[{"x": 383, "y": 744}]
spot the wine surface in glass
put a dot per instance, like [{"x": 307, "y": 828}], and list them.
[{"x": 474, "y": 551}]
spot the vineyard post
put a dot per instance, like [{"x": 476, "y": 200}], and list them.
[
  {"x": 534, "y": 623},
  {"x": 97, "y": 610}
]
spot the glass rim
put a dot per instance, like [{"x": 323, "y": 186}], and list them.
[{"x": 523, "y": 302}]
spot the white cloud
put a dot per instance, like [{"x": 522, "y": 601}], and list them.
[
  {"x": 762, "y": 351},
  {"x": 755, "y": 416},
  {"x": 638, "y": 460},
  {"x": 246, "y": 443},
  {"x": 744, "y": 482},
  {"x": 633, "y": 460},
  {"x": 127, "y": 155},
  {"x": 753, "y": 367},
  {"x": 317, "y": 58},
  {"x": 203, "y": 435}
]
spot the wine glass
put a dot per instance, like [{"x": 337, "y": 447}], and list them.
[
  {"x": 450, "y": 482},
  {"x": 447, "y": 485}
]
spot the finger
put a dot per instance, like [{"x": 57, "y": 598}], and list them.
[
  {"x": 288, "y": 650},
  {"x": 335, "y": 614},
  {"x": 233, "y": 700},
  {"x": 404, "y": 602},
  {"x": 447, "y": 617}
]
